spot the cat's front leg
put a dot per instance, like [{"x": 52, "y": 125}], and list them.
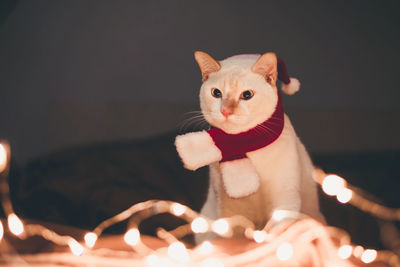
[
  {"x": 197, "y": 149},
  {"x": 284, "y": 190}
]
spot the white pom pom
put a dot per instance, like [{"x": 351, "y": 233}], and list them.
[{"x": 292, "y": 87}]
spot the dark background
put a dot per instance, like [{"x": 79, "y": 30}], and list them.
[
  {"x": 78, "y": 72},
  {"x": 82, "y": 81}
]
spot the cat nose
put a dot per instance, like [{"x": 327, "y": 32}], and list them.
[{"x": 226, "y": 112}]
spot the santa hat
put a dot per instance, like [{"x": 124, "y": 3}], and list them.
[{"x": 289, "y": 85}]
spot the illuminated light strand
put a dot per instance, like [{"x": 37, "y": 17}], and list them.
[
  {"x": 199, "y": 225},
  {"x": 369, "y": 255},
  {"x": 284, "y": 251},
  {"x": 205, "y": 248},
  {"x": 166, "y": 236},
  {"x": 3, "y": 157},
  {"x": 1, "y": 231},
  {"x": 90, "y": 239},
  {"x": 15, "y": 224},
  {"x": 221, "y": 227},
  {"x": 359, "y": 201},
  {"x": 178, "y": 251},
  {"x": 345, "y": 252},
  {"x": 61, "y": 240},
  {"x": 178, "y": 209},
  {"x": 345, "y": 194},
  {"x": 132, "y": 236},
  {"x": 260, "y": 236}
]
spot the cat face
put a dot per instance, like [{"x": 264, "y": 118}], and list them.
[{"x": 238, "y": 93}]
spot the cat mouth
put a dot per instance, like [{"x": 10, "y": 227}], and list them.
[{"x": 230, "y": 125}]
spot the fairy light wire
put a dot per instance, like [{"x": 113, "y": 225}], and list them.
[
  {"x": 224, "y": 226},
  {"x": 359, "y": 201},
  {"x": 5, "y": 159}
]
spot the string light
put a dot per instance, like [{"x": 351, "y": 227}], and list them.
[
  {"x": 344, "y": 195},
  {"x": 75, "y": 247},
  {"x": 221, "y": 227},
  {"x": 332, "y": 185},
  {"x": 178, "y": 209},
  {"x": 358, "y": 251},
  {"x": 284, "y": 251},
  {"x": 279, "y": 215},
  {"x": 3, "y": 158},
  {"x": 178, "y": 251},
  {"x": 90, "y": 239},
  {"x": 206, "y": 248},
  {"x": 153, "y": 260},
  {"x": 259, "y": 236},
  {"x": 15, "y": 224},
  {"x": 369, "y": 255},
  {"x": 345, "y": 251},
  {"x": 199, "y": 225},
  {"x": 1, "y": 230},
  {"x": 132, "y": 237}
]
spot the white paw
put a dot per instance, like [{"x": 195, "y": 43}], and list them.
[{"x": 197, "y": 150}]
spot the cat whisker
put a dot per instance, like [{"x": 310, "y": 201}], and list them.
[
  {"x": 190, "y": 121},
  {"x": 266, "y": 129}
]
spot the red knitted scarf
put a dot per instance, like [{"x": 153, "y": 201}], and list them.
[{"x": 235, "y": 146}]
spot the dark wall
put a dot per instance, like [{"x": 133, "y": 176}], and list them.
[{"x": 75, "y": 72}]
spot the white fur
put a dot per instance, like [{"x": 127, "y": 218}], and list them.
[
  {"x": 240, "y": 178},
  {"x": 292, "y": 87},
  {"x": 281, "y": 172},
  {"x": 283, "y": 168},
  {"x": 234, "y": 77},
  {"x": 197, "y": 150}
]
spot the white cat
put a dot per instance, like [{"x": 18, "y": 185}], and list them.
[{"x": 238, "y": 95}]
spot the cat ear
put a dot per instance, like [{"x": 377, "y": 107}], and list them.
[
  {"x": 266, "y": 66},
  {"x": 206, "y": 63}
]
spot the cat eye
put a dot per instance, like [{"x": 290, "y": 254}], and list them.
[
  {"x": 216, "y": 93},
  {"x": 246, "y": 95}
]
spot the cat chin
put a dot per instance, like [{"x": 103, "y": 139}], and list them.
[{"x": 232, "y": 127}]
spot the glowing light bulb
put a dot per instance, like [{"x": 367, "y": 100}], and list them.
[
  {"x": 259, "y": 236},
  {"x": 177, "y": 251},
  {"x": 132, "y": 237},
  {"x": 15, "y": 224},
  {"x": 199, "y": 225},
  {"x": 212, "y": 263},
  {"x": 333, "y": 184},
  {"x": 90, "y": 239},
  {"x": 284, "y": 251},
  {"x": 75, "y": 247},
  {"x": 358, "y": 251},
  {"x": 345, "y": 251},
  {"x": 279, "y": 215},
  {"x": 3, "y": 158},
  {"x": 220, "y": 226},
  {"x": 206, "y": 248},
  {"x": 153, "y": 260},
  {"x": 1, "y": 231},
  {"x": 178, "y": 209},
  {"x": 369, "y": 255},
  {"x": 344, "y": 195}
]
